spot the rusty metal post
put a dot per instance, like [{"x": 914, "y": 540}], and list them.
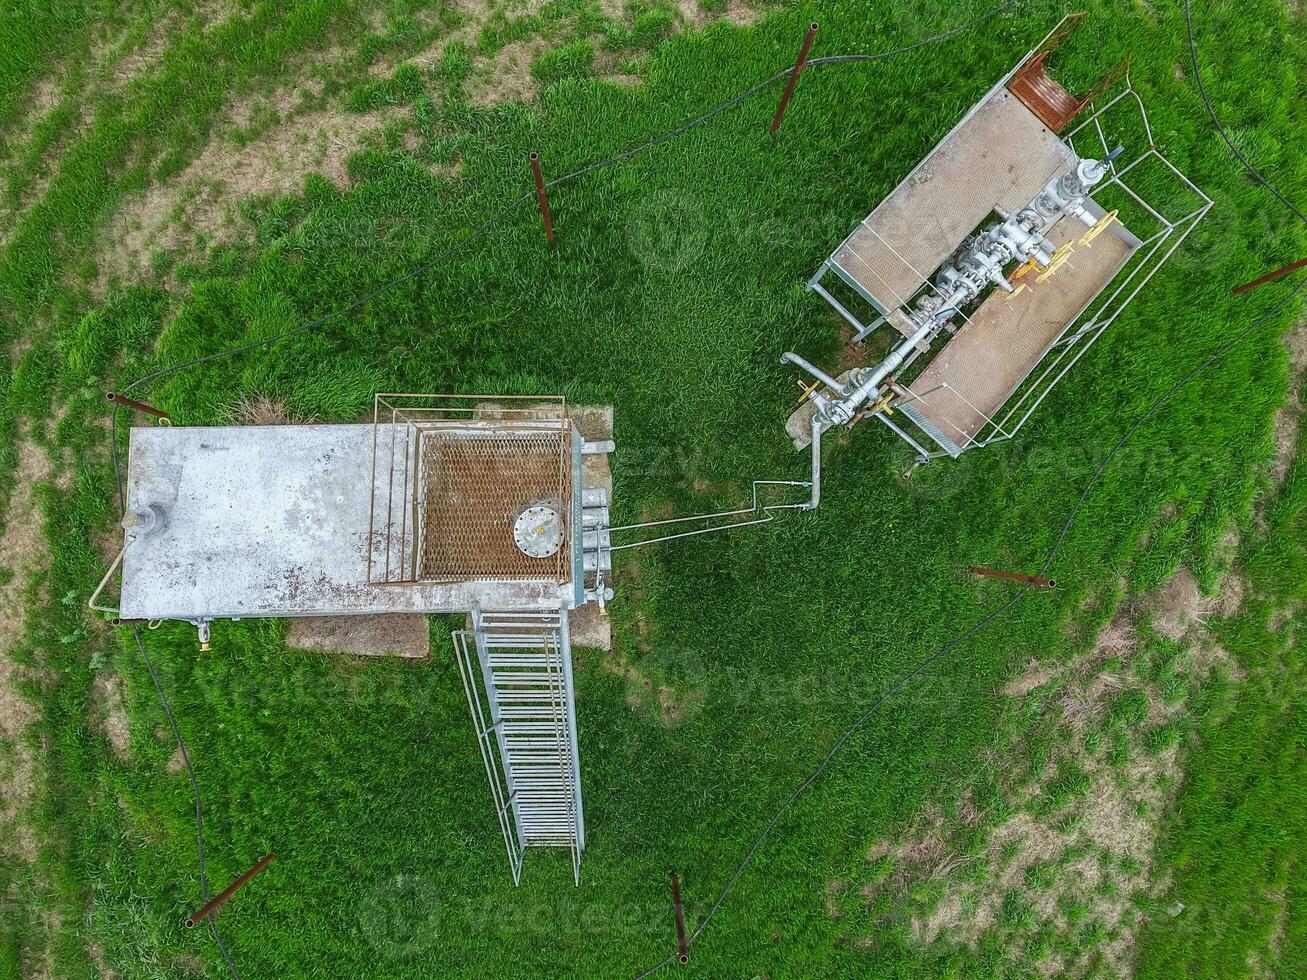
[
  {"x": 543, "y": 195},
  {"x": 126, "y": 402},
  {"x": 682, "y": 948},
  {"x": 1269, "y": 277},
  {"x": 794, "y": 78},
  {"x": 220, "y": 899},
  {"x": 1047, "y": 583}
]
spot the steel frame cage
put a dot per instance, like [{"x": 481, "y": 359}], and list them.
[
  {"x": 400, "y": 423},
  {"x": 1099, "y": 313}
]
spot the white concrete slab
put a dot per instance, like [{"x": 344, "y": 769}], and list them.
[{"x": 273, "y": 521}]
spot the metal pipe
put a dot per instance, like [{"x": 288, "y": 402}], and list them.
[
  {"x": 815, "y": 499},
  {"x": 126, "y": 402},
  {"x": 220, "y": 899},
  {"x": 794, "y": 78},
  {"x": 868, "y": 386},
  {"x": 789, "y": 357},
  {"x": 682, "y": 947},
  {"x": 543, "y": 195},
  {"x": 1047, "y": 583}
]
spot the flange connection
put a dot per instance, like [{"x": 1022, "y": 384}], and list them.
[{"x": 538, "y": 531}]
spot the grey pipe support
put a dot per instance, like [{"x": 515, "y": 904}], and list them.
[
  {"x": 815, "y": 499},
  {"x": 791, "y": 358}
]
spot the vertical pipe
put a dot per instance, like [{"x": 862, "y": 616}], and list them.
[
  {"x": 794, "y": 78},
  {"x": 815, "y": 500},
  {"x": 543, "y": 195}
]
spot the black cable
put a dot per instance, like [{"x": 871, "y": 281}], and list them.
[
  {"x": 195, "y": 789},
  {"x": 1202, "y": 91}
]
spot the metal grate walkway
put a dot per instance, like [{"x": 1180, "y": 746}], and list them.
[{"x": 517, "y": 674}]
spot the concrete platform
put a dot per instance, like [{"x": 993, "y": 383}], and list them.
[
  {"x": 271, "y": 521},
  {"x": 406, "y": 635}
]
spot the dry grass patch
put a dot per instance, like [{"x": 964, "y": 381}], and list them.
[
  {"x": 1075, "y": 843},
  {"x": 201, "y": 201},
  {"x": 109, "y": 713},
  {"x": 22, "y": 547}
]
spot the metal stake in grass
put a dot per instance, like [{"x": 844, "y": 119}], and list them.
[
  {"x": 682, "y": 948},
  {"x": 1046, "y": 583},
  {"x": 794, "y": 78},
  {"x": 543, "y": 195},
  {"x": 1269, "y": 277},
  {"x": 218, "y": 900},
  {"x": 126, "y": 402}
]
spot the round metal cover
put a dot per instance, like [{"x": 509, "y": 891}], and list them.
[{"x": 538, "y": 531}]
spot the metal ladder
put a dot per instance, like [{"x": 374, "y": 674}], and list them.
[{"x": 517, "y": 674}]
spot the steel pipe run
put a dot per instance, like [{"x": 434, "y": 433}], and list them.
[
  {"x": 789, "y": 357},
  {"x": 543, "y": 195},
  {"x": 1046, "y": 583},
  {"x": 804, "y": 51},
  {"x": 814, "y": 499},
  {"x": 682, "y": 947}
]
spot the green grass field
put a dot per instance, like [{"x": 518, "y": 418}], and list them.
[{"x": 674, "y": 284}]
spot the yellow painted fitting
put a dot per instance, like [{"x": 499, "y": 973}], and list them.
[
  {"x": 165, "y": 422},
  {"x": 1023, "y": 268},
  {"x": 1021, "y": 288},
  {"x": 154, "y": 624},
  {"x": 204, "y": 647},
  {"x": 1101, "y": 226},
  {"x": 1059, "y": 259},
  {"x": 806, "y": 389}
]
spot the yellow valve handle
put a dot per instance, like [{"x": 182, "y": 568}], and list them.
[
  {"x": 882, "y": 405},
  {"x": 1059, "y": 259},
  {"x": 1022, "y": 269},
  {"x": 806, "y": 389},
  {"x": 1101, "y": 226},
  {"x": 1063, "y": 250},
  {"x": 1021, "y": 288}
]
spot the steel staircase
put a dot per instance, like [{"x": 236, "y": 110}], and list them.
[{"x": 517, "y": 674}]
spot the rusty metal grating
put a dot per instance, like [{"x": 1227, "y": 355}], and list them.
[
  {"x": 450, "y": 477},
  {"x": 474, "y": 486}
]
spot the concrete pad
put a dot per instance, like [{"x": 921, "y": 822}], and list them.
[
  {"x": 386, "y": 635},
  {"x": 595, "y": 423},
  {"x": 590, "y": 628}
]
